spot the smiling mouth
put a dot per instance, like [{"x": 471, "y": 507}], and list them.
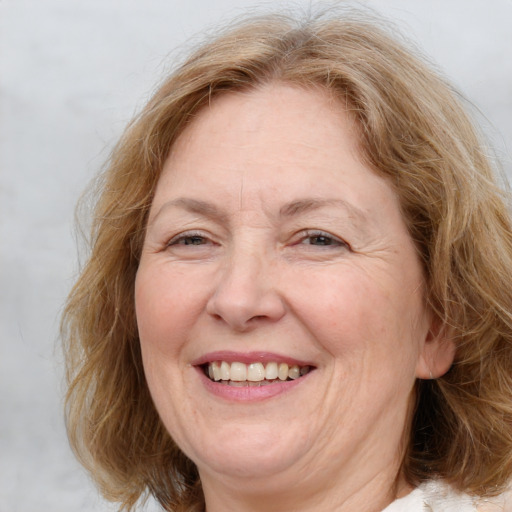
[{"x": 253, "y": 374}]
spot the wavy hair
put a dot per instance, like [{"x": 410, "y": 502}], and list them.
[{"x": 414, "y": 131}]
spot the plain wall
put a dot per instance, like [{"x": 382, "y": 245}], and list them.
[{"x": 72, "y": 73}]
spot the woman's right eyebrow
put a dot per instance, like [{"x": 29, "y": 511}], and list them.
[
  {"x": 309, "y": 204},
  {"x": 196, "y": 206},
  {"x": 291, "y": 209}
]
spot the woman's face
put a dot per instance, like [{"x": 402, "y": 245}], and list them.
[{"x": 272, "y": 252}]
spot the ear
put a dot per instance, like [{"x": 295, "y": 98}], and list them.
[{"x": 437, "y": 351}]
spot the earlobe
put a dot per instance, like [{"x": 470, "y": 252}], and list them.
[{"x": 437, "y": 353}]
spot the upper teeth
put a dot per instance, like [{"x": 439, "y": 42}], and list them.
[{"x": 254, "y": 372}]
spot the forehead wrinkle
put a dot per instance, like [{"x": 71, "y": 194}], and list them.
[
  {"x": 241, "y": 191},
  {"x": 196, "y": 206}
]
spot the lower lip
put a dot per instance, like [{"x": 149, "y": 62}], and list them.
[{"x": 249, "y": 393}]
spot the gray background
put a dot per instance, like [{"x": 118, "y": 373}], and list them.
[{"x": 72, "y": 73}]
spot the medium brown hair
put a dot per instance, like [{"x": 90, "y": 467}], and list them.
[{"x": 413, "y": 131}]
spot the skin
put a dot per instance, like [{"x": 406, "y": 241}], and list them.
[{"x": 294, "y": 247}]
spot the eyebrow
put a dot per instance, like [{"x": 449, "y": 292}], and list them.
[
  {"x": 291, "y": 209},
  {"x": 203, "y": 208},
  {"x": 305, "y": 205}
]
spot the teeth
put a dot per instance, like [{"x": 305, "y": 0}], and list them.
[
  {"x": 255, "y": 374},
  {"x": 236, "y": 384},
  {"x": 238, "y": 372},
  {"x": 216, "y": 371},
  {"x": 271, "y": 371},
  {"x": 225, "y": 370},
  {"x": 283, "y": 371},
  {"x": 294, "y": 372}
]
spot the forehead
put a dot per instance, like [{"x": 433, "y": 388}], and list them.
[
  {"x": 259, "y": 115},
  {"x": 279, "y": 144}
]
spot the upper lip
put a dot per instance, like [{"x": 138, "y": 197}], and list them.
[{"x": 248, "y": 358}]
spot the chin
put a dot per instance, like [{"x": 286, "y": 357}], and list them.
[{"x": 254, "y": 453}]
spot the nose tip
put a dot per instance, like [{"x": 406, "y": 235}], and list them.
[{"x": 245, "y": 297}]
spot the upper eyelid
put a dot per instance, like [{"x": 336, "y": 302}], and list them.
[
  {"x": 187, "y": 234},
  {"x": 320, "y": 232}
]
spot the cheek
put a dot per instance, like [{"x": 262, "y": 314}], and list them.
[
  {"x": 357, "y": 317},
  {"x": 164, "y": 317},
  {"x": 165, "y": 310}
]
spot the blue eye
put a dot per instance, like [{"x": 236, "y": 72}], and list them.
[
  {"x": 192, "y": 240},
  {"x": 192, "y": 246},
  {"x": 321, "y": 239},
  {"x": 188, "y": 239}
]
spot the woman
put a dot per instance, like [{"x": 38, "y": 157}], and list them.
[{"x": 297, "y": 296}]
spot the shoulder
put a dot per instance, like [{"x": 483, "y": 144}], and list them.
[
  {"x": 500, "y": 503},
  {"x": 440, "y": 497},
  {"x": 436, "y": 496}
]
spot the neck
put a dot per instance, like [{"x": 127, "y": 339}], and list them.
[{"x": 306, "y": 493}]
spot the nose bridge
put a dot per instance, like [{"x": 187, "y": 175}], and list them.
[{"x": 247, "y": 287}]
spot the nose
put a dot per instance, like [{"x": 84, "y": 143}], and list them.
[{"x": 247, "y": 292}]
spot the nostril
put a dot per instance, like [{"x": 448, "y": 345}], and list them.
[{"x": 242, "y": 301}]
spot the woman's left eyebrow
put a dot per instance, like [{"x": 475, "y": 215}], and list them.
[
  {"x": 291, "y": 209},
  {"x": 309, "y": 204}
]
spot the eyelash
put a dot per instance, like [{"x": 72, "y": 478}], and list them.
[
  {"x": 183, "y": 237},
  {"x": 333, "y": 241},
  {"x": 329, "y": 240}
]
